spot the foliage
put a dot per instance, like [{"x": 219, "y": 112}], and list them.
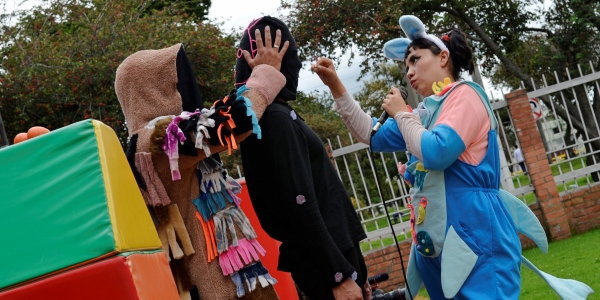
[
  {"x": 571, "y": 35},
  {"x": 59, "y": 60},
  {"x": 196, "y": 10},
  {"x": 322, "y": 27},
  {"x": 374, "y": 90},
  {"x": 316, "y": 110},
  {"x": 368, "y": 24},
  {"x": 507, "y": 44}
]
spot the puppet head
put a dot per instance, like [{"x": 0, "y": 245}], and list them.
[{"x": 155, "y": 83}]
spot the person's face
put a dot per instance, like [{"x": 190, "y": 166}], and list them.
[{"x": 423, "y": 68}]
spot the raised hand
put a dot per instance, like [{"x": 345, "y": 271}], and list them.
[
  {"x": 394, "y": 103},
  {"x": 326, "y": 71},
  {"x": 267, "y": 53}
]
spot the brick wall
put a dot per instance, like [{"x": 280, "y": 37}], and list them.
[
  {"x": 582, "y": 207},
  {"x": 387, "y": 261}
]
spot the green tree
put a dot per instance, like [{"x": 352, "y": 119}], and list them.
[
  {"x": 375, "y": 89},
  {"x": 569, "y": 43},
  {"x": 59, "y": 60},
  {"x": 322, "y": 26},
  {"x": 500, "y": 32},
  {"x": 196, "y": 10}
]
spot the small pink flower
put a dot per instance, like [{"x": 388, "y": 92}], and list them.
[
  {"x": 300, "y": 199},
  {"x": 338, "y": 277}
]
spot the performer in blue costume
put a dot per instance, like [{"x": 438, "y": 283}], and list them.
[{"x": 464, "y": 227}]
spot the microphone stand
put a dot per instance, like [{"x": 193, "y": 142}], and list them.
[{"x": 380, "y": 122}]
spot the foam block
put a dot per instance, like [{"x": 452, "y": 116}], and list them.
[
  {"x": 68, "y": 198},
  {"x": 129, "y": 276}
]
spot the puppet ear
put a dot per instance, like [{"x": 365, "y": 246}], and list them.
[
  {"x": 396, "y": 48},
  {"x": 412, "y": 27}
]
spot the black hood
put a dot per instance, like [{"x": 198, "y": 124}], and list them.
[
  {"x": 290, "y": 66},
  {"x": 187, "y": 86}
]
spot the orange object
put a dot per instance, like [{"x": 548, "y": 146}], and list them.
[
  {"x": 152, "y": 276},
  {"x": 20, "y": 137},
  {"x": 36, "y": 131},
  {"x": 137, "y": 276},
  {"x": 209, "y": 236},
  {"x": 285, "y": 286}
]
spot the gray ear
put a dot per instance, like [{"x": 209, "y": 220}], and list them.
[
  {"x": 396, "y": 48},
  {"x": 412, "y": 27}
]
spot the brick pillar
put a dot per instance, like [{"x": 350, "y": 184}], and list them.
[{"x": 554, "y": 216}]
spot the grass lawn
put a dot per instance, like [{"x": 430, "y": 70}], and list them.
[
  {"x": 388, "y": 241},
  {"x": 566, "y": 167},
  {"x": 383, "y": 223},
  {"x": 577, "y": 258}
]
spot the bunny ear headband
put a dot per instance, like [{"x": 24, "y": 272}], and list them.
[{"x": 414, "y": 29}]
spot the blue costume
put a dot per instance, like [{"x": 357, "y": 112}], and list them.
[{"x": 465, "y": 228}]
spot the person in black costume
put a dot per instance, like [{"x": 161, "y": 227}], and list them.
[{"x": 296, "y": 192}]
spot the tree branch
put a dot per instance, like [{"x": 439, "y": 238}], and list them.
[
  {"x": 473, "y": 38},
  {"x": 546, "y": 31},
  {"x": 486, "y": 39}
]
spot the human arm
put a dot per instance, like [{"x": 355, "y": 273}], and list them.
[
  {"x": 359, "y": 123},
  {"x": 460, "y": 131},
  {"x": 348, "y": 290}
]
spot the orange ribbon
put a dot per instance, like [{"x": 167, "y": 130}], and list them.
[{"x": 209, "y": 236}]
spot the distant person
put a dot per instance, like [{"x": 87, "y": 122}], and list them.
[{"x": 520, "y": 159}]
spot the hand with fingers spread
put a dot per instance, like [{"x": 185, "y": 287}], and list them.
[
  {"x": 267, "y": 52},
  {"x": 326, "y": 71},
  {"x": 394, "y": 103}
]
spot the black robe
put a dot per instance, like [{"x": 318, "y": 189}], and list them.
[{"x": 298, "y": 196}]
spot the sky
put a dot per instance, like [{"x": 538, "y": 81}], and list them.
[{"x": 238, "y": 14}]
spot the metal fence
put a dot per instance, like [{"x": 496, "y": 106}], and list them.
[
  {"x": 569, "y": 125},
  {"x": 573, "y": 164},
  {"x": 512, "y": 177},
  {"x": 353, "y": 163},
  {"x": 360, "y": 183},
  {"x": 572, "y": 141}
]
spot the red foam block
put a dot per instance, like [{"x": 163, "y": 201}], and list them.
[{"x": 142, "y": 276}]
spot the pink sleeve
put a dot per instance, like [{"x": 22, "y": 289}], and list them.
[{"x": 464, "y": 112}]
